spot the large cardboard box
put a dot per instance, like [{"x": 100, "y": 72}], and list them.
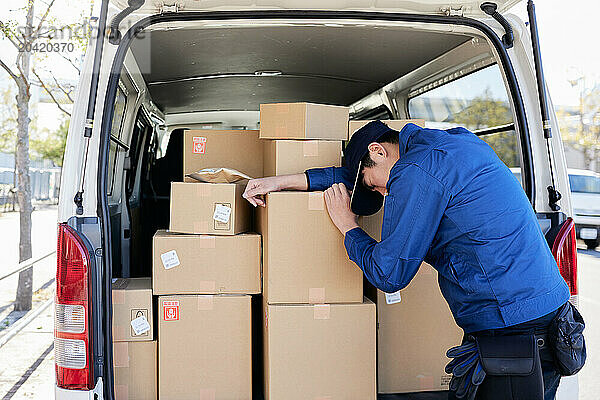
[
  {"x": 203, "y": 264},
  {"x": 135, "y": 370},
  {"x": 237, "y": 149},
  {"x": 284, "y": 157},
  {"x": 415, "y": 329},
  {"x": 303, "y": 121},
  {"x": 396, "y": 124},
  {"x": 209, "y": 208},
  {"x": 204, "y": 347},
  {"x": 304, "y": 259},
  {"x": 132, "y": 301},
  {"x": 322, "y": 351}
]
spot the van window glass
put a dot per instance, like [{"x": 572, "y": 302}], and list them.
[
  {"x": 115, "y": 131},
  {"x": 479, "y": 102},
  {"x": 584, "y": 184}
]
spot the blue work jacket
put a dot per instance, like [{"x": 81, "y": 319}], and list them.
[{"x": 454, "y": 204}]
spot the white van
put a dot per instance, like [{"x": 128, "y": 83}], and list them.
[
  {"x": 585, "y": 191},
  {"x": 171, "y": 64}
]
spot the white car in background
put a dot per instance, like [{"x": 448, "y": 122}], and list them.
[{"x": 585, "y": 195}]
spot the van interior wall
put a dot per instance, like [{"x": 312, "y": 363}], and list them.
[{"x": 188, "y": 71}]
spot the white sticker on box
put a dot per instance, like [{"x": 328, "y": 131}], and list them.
[
  {"x": 169, "y": 259},
  {"x": 140, "y": 325},
  {"x": 222, "y": 213},
  {"x": 393, "y": 298}
]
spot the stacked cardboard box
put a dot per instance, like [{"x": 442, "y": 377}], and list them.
[
  {"x": 204, "y": 270},
  {"x": 319, "y": 334},
  {"x": 134, "y": 347},
  {"x": 415, "y": 328}
]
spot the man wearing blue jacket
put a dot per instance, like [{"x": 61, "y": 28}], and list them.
[{"x": 451, "y": 202}]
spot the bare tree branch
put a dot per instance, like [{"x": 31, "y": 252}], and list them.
[
  {"x": 54, "y": 99},
  {"x": 12, "y": 74},
  {"x": 18, "y": 43},
  {"x": 61, "y": 88},
  {"x": 71, "y": 62},
  {"x": 43, "y": 18}
]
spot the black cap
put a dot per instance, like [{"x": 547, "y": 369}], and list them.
[{"x": 364, "y": 201}]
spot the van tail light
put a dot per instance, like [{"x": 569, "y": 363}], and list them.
[
  {"x": 564, "y": 251},
  {"x": 72, "y": 309}
]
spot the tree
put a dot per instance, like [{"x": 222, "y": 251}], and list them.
[
  {"x": 52, "y": 146},
  {"x": 25, "y": 38}
]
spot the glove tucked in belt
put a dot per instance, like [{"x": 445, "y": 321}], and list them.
[{"x": 466, "y": 369}]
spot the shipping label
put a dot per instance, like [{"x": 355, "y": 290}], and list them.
[
  {"x": 198, "y": 145},
  {"x": 140, "y": 325},
  {"x": 393, "y": 298},
  {"x": 222, "y": 213},
  {"x": 171, "y": 310},
  {"x": 170, "y": 259}
]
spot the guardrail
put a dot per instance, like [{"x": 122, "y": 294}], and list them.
[{"x": 26, "y": 264}]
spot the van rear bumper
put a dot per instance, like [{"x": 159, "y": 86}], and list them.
[{"x": 64, "y": 394}]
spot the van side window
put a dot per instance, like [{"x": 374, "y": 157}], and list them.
[
  {"x": 115, "y": 132},
  {"x": 479, "y": 102}
]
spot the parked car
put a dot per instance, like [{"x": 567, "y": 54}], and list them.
[
  {"x": 585, "y": 192},
  {"x": 197, "y": 64}
]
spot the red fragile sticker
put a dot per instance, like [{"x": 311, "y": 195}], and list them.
[
  {"x": 199, "y": 145},
  {"x": 171, "y": 309}
]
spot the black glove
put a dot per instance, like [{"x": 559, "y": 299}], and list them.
[{"x": 466, "y": 370}]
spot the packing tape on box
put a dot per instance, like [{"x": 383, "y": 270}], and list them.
[
  {"x": 122, "y": 392},
  {"x": 315, "y": 201},
  {"x": 203, "y": 190},
  {"x": 281, "y": 108},
  {"x": 206, "y": 242},
  {"x": 310, "y": 148},
  {"x": 205, "y": 302},
  {"x": 281, "y": 132},
  {"x": 207, "y": 286},
  {"x": 316, "y": 295},
  {"x": 425, "y": 382},
  {"x": 121, "y": 354},
  {"x": 201, "y": 226},
  {"x": 207, "y": 394},
  {"x": 321, "y": 311},
  {"x": 323, "y": 398},
  {"x": 118, "y": 297},
  {"x": 119, "y": 331}
]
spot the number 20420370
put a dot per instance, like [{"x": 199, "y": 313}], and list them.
[{"x": 48, "y": 47}]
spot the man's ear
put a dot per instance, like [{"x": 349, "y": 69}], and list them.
[{"x": 377, "y": 152}]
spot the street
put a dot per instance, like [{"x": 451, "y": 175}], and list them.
[{"x": 27, "y": 360}]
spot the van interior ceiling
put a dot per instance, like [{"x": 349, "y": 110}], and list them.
[{"x": 194, "y": 74}]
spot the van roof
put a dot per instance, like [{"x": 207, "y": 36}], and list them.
[
  {"x": 585, "y": 172},
  {"x": 430, "y": 7}
]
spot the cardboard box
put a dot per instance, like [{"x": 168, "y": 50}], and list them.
[
  {"x": 209, "y": 208},
  {"x": 284, "y": 157},
  {"x": 132, "y": 300},
  {"x": 323, "y": 351},
  {"x": 304, "y": 259},
  {"x": 204, "y": 347},
  {"x": 303, "y": 121},
  {"x": 202, "y": 264},
  {"x": 415, "y": 329},
  {"x": 396, "y": 124},
  {"x": 135, "y": 370},
  {"x": 237, "y": 149}
]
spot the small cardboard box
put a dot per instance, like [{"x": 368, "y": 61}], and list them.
[
  {"x": 209, "y": 208},
  {"x": 396, "y": 124},
  {"x": 135, "y": 374},
  {"x": 203, "y": 264},
  {"x": 415, "y": 329},
  {"x": 284, "y": 157},
  {"x": 303, "y": 121},
  {"x": 132, "y": 300},
  {"x": 322, "y": 351},
  {"x": 204, "y": 347},
  {"x": 237, "y": 149},
  {"x": 304, "y": 258}
]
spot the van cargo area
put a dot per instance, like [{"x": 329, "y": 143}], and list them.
[{"x": 246, "y": 303}]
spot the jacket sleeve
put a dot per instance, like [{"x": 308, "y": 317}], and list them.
[
  {"x": 323, "y": 178},
  {"x": 413, "y": 209}
]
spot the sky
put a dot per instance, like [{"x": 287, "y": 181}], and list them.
[{"x": 567, "y": 34}]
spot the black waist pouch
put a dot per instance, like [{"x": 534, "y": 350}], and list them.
[
  {"x": 565, "y": 335},
  {"x": 512, "y": 366}
]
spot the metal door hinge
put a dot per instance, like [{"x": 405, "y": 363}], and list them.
[
  {"x": 170, "y": 8},
  {"x": 450, "y": 11}
]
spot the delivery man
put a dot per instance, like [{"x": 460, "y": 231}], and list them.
[{"x": 451, "y": 202}]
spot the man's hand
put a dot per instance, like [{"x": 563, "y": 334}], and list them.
[
  {"x": 256, "y": 189},
  {"x": 337, "y": 200}
]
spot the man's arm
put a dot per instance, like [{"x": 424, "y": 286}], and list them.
[{"x": 413, "y": 211}]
